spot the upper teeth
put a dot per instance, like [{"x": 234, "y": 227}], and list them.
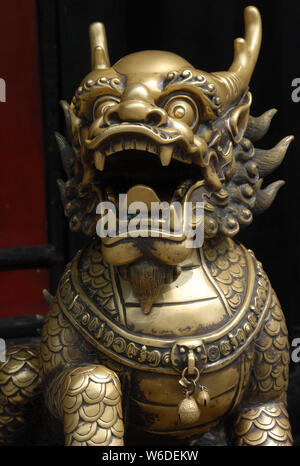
[{"x": 164, "y": 151}]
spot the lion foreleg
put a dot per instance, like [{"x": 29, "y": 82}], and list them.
[{"x": 87, "y": 399}]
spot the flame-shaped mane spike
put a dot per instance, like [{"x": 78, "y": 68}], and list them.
[
  {"x": 258, "y": 126},
  {"x": 66, "y": 154},
  {"x": 68, "y": 120},
  {"x": 265, "y": 197},
  {"x": 268, "y": 160}
]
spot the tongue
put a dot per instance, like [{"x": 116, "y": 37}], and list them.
[
  {"x": 142, "y": 193},
  {"x": 145, "y": 194}
]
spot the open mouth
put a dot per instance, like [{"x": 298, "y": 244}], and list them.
[
  {"x": 128, "y": 155},
  {"x": 132, "y": 167}
]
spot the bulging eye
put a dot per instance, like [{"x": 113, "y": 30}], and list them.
[
  {"x": 184, "y": 109},
  {"x": 102, "y": 103}
]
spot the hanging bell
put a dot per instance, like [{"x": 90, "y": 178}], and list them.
[
  {"x": 188, "y": 410},
  {"x": 202, "y": 396}
]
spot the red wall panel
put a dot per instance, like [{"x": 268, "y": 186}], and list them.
[{"x": 22, "y": 180}]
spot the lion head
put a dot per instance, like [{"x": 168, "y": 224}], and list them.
[{"x": 155, "y": 127}]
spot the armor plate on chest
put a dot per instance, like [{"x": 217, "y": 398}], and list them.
[{"x": 219, "y": 299}]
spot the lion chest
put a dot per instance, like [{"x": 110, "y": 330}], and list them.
[
  {"x": 206, "y": 296},
  {"x": 192, "y": 305},
  {"x": 219, "y": 299}
]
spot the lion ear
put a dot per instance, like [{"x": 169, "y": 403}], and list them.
[{"x": 237, "y": 119}]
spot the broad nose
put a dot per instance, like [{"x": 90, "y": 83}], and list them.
[
  {"x": 137, "y": 111},
  {"x": 137, "y": 105}
]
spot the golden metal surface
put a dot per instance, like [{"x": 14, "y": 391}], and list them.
[
  {"x": 232, "y": 337},
  {"x": 99, "y": 50},
  {"x": 155, "y": 401},
  {"x": 264, "y": 426},
  {"x": 191, "y": 336},
  {"x": 19, "y": 385},
  {"x": 88, "y": 401}
]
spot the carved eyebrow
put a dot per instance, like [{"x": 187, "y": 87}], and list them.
[
  {"x": 101, "y": 83},
  {"x": 90, "y": 90},
  {"x": 198, "y": 84},
  {"x": 196, "y": 81}
]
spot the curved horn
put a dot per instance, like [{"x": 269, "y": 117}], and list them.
[
  {"x": 265, "y": 197},
  {"x": 233, "y": 83},
  {"x": 258, "y": 126},
  {"x": 99, "y": 49},
  {"x": 268, "y": 160}
]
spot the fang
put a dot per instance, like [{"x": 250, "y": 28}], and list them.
[
  {"x": 99, "y": 160},
  {"x": 166, "y": 155}
]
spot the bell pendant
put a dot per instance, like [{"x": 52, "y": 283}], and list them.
[{"x": 188, "y": 410}]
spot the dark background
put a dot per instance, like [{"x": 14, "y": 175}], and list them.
[{"x": 203, "y": 33}]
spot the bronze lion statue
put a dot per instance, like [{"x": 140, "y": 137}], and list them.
[{"x": 146, "y": 333}]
